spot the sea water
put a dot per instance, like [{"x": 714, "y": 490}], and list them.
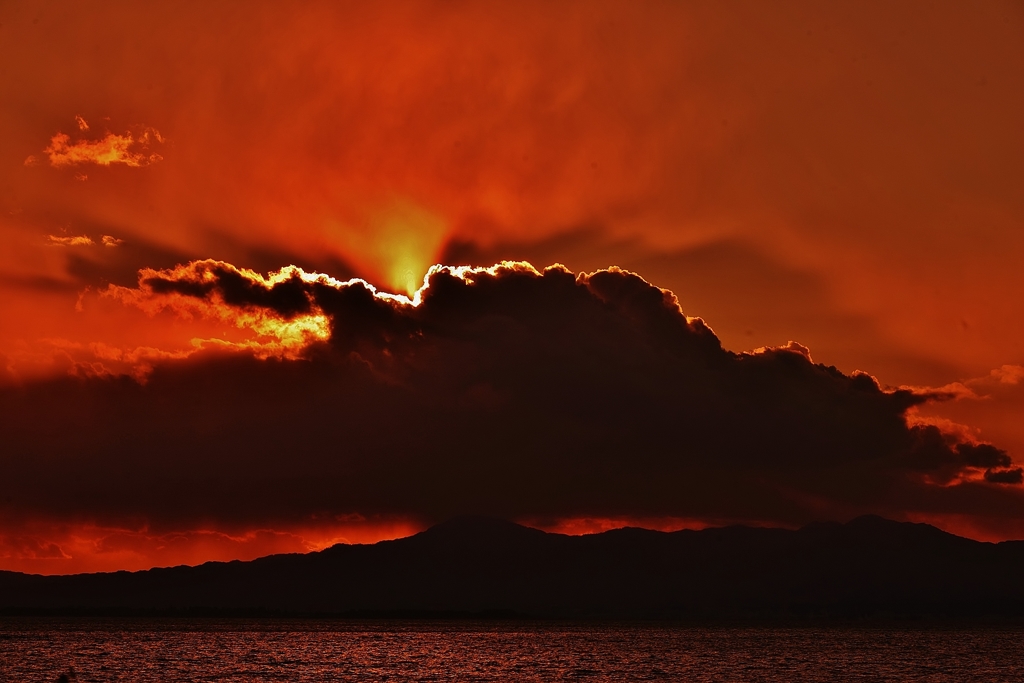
[{"x": 169, "y": 650}]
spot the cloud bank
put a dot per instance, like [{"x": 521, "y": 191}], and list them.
[{"x": 506, "y": 390}]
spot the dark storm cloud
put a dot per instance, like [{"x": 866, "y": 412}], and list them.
[
  {"x": 756, "y": 298},
  {"x": 505, "y": 391}
]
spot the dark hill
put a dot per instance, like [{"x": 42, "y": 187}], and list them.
[{"x": 868, "y": 567}]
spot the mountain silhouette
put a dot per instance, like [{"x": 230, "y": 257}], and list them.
[{"x": 869, "y": 567}]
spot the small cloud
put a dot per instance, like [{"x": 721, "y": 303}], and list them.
[
  {"x": 1009, "y": 374},
  {"x": 151, "y": 133},
  {"x": 124, "y": 149},
  {"x": 31, "y": 160},
  {"x": 110, "y": 241},
  {"x": 81, "y": 176},
  {"x": 72, "y": 241}
]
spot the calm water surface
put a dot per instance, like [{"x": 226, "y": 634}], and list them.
[{"x": 208, "y": 650}]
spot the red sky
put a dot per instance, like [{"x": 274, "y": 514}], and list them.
[{"x": 845, "y": 175}]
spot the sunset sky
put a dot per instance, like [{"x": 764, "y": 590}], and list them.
[{"x": 836, "y": 182}]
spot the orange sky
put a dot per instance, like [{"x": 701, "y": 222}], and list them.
[{"x": 847, "y": 175}]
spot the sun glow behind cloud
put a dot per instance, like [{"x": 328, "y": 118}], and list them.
[
  {"x": 396, "y": 243},
  {"x": 356, "y": 140},
  {"x": 197, "y": 291}
]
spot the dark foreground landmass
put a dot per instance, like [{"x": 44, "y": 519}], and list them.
[{"x": 867, "y": 568}]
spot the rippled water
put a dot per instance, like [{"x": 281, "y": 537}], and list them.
[{"x": 207, "y": 650}]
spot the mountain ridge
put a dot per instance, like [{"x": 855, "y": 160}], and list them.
[{"x": 866, "y": 567}]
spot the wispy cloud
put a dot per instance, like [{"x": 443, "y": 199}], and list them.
[
  {"x": 82, "y": 241},
  {"x": 128, "y": 149},
  {"x": 974, "y": 387},
  {"x": 71, "y": 240}
]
